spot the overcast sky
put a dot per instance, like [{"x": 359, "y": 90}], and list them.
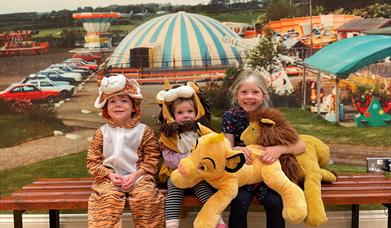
[{"x": 13, "y": 6}]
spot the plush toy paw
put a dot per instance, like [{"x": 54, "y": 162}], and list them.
[
  {"x": 203, "y": 223},
  {"x": 294, "y": 215},
  {"x": 316, "y": 218},
  {"x": 295, "y": 205}
]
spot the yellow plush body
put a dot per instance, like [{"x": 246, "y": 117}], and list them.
[
  {"x": 313, "y": 160},
  {"x": 212, "y": 159}
]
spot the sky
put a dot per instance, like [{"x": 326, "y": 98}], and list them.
[{"x": 15, "y": 6}]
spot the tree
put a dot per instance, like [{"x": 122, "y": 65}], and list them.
[
  {"x": 277, "y": 9},
  {"x": 265, "y": 56},
  {"x": 375, "y": 10}
]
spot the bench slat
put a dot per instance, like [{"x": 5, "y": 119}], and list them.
[
  {"x": 73, "y": 193},
  {"x": 54, "y": 187}
]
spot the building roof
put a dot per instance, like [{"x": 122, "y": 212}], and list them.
[
  {"x": 380, "y": 31},
  {"x": 358, "y": 25}
]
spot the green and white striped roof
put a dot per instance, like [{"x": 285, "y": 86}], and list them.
[{"x": 183, "y": 39}]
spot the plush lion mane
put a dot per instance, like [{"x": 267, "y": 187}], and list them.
[{"x": 280, "y": 133}]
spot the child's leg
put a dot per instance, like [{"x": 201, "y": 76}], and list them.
[
  {"x": 105, "y": 206},
  {"x": 204, "y": 191},
  {"x": 173, "y": 204},
  {"x": 146, "y": 203}
]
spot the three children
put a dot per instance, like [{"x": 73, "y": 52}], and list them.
[{"x": 124, "y": 153}]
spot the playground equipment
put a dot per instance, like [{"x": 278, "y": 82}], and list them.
[
  {"x": 19, "y": 43},
  {"x": 97, "y": 25}
]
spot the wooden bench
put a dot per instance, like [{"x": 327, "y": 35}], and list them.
[{"x": 55, "y": 194}]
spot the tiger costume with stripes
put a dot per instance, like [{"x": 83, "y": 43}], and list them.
[{"x": 124, "y": 149}]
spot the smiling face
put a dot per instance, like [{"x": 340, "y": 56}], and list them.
[
  {"x": 249, "y": 96},
  {"x": 120, "y": 108},
  {"x": 184, "y": 111}
]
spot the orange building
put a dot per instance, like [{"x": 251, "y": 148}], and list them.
[{"x": 325, "y": 25}]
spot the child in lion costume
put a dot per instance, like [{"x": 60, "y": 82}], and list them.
[{"x": 273, "y": 129}]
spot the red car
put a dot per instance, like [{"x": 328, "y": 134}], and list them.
[
  {"x": 82, "y": 63},
  {"x": 87, "y": 56},
  {"x": 29, "y": 92}
]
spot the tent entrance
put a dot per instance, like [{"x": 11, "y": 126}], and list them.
[{"x": 139, "y": 57}]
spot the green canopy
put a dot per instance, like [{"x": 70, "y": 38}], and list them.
[{"x": 349, "y": 55}]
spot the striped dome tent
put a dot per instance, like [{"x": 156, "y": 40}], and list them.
[{"x": 182, "y": 40}]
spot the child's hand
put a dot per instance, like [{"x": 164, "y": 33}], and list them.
[
  {"x": 271, "y": 154},
  {"x": 115, "y": 179},
  {"x": 128, "y": 182},
  {"x": 247, "y": 154}
]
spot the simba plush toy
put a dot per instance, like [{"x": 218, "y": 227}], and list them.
[
  {"x": 212, "y": 159},
  {"x": 273, "y": 129}
]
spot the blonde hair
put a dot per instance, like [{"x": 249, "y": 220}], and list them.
[{"x": 257, "y": 79}]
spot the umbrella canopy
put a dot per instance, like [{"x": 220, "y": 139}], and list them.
[{"x": 349, "y": 55}]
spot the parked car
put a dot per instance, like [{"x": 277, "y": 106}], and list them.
[
  {"x": 88, "y": 56},
  {"x": 80, "y": 60},
  {"x": 82, "y": 63},
  {"x": 67, "y": 68},
  {"x": 29, "y": 92},
  {"x": 74, "y": 66},
  {"x": 76, "y": 76},
  {"x": 53, "y": 77},
  {"x": 25, "y": 80},
  {"x": 45, "y": 85}
]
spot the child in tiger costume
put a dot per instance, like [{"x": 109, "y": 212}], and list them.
[{"x": 122, "y": 158}]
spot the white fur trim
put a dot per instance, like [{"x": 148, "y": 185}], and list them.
[
  {"x": 114, "y": 84},
  {"x": 173, "y": 94}
]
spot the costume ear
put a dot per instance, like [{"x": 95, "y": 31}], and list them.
[
  {"x": 203, "y": 130},
  {"x": 235, "y": 162}
]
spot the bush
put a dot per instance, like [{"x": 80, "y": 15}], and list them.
[
  {"x": 42, "y": 112},
  {"x": 217, "y": 94},
  {"x": 291, "y": 100}
]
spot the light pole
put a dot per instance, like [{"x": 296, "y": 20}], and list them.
[{"x": 311, "y": 27}]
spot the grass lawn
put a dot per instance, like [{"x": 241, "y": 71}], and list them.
[
  {"x": 307, "y": 123},
  {"x": 250, "y": 16},
  {"x": 18, "y": 128},
  {"x": 73, "y": 165}
]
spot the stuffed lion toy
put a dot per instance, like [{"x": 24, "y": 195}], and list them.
[
  {"x": 273, "y": 129},
  {"x": 212, "y": 159}
]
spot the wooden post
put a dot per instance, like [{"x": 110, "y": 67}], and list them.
[
  {"x": 337, "y": 100},
  {"x": 318, "y": 93},
  {"x": 304, "y": 88}
]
